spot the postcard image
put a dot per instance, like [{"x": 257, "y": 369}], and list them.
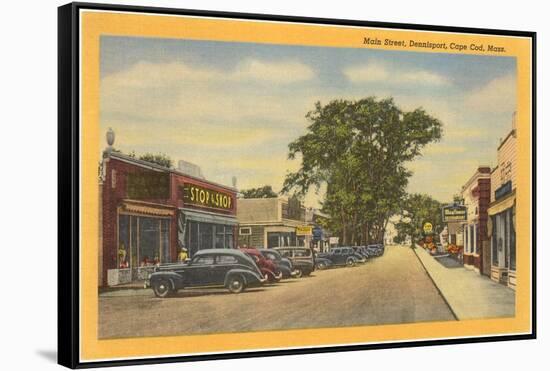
[{"x": 254, "y": 185}]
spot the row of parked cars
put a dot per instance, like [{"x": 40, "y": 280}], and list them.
[{"x": 237, "y": 269}]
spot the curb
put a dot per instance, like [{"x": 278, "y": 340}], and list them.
[{"x": 435, "y": 284}]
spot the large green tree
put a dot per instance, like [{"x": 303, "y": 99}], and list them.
[{"x": 358, "y": 149}]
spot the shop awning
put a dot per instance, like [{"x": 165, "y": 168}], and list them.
[
  {"x": 146, "y": 209},
  {"x": 209, "y": 218},
  {"x": 502, "y": 205}
]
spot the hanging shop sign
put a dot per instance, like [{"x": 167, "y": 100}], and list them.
[
  {"x": 304, "y": 230},
  {"x": 201, "y": 196},
  {"x": 503, "y": 190},
  {"x": 454, "y": 213},
  {"x": 317, "y": 233}
]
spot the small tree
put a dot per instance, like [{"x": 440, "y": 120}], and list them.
[
  {"x": 417, "y": 209},
  {"x": 260, "y": 192},
  {"x": 159, "y": 159}
]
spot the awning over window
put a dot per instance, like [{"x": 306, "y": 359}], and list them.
[
  {"x": 209, "y": 218},
  {"x": 502, "y": 205},
  {"x": 142, "y": 208}
]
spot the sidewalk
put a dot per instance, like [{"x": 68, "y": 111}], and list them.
[
  {"x": 129, "y": 289},
  {"x": 469, "y": 294}
]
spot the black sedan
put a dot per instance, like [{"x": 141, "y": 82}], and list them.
[
  {"x": 227, "y": 268},
  {"x": 341, "y": 256}
]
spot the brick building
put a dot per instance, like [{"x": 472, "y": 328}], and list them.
[
  {"x": 476, "y": 193},
  {"x": 149, "y": 212}
]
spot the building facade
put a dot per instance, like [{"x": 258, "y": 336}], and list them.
[
  {"x": 270, "y": 222},
  {"x": 502, "y": 212},
  {"x": 149, "y": 212},
  {"x": 476, "y": 194}
]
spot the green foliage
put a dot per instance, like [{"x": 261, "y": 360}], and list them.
[
  {"x": 260, "y": 192},
  {"x": 359, "y": 149},
  {"x": 159, "y": 159},
  {"x": 416, "y": 210}
]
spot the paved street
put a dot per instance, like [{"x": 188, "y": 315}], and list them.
[{"x": 393, "y": 288}]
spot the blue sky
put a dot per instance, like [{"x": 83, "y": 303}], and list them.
[{"x": 232, "y": 108}]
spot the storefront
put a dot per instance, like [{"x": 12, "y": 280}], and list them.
[
  {"x": 502, "y": 213},
  {"x": 476, "y": 195},
  {"x": 149, "y": 213},
  {"x": 143, "y": 235},
  {"x": 270, "y": 222},
  {"x": 503, "y": 241},
  {"x": 454, "y": 216}
]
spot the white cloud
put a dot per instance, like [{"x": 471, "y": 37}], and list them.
[
  {"x": 253, "y": 91},
  {"x": 376, "y": 72},
  {"x": 150, "y": 75},
  {"x": 273, "y": 72},
  {"x": 499, "y": 95}
]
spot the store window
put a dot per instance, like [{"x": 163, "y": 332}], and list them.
[
  {"x": 477, "y": 245},
  {"x": 471, "y": 237},
  {"x": 512, "y": 248},
  {"x": 283, "y": 239},
  {"x": 494, "y": 246},
  {"x": 123, "y": 252},
  {"x": 200, "y": 236},
  {"x": 142, "y": 241}
]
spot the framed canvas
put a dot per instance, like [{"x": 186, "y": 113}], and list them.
[{"x": 243, "y": 185}]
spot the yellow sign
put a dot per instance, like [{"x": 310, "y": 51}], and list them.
[
  {"x": 304, "y": 230},
  {"x": 428, "y": 227}
]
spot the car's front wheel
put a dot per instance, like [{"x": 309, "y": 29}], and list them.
[
  {"x": 162, "y": 288},
  {"x": 298, "y": 273},
  {"x": 321, "y": 265},
  {"x": 350, "y": 262},
  {"x": 236, "y": 284}
]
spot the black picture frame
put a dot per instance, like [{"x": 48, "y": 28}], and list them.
[{"x": 69, "y": 182}]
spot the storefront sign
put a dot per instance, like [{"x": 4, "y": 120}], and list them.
[
  {"x": 454, "y": 213},
  {"x": 201, "y": 196},
  {"x": 503, "y": 190},
  {"x": 317, "y": 233},
  {"x": 304, "y": 230},
  {"x": 333, "y": 240}
]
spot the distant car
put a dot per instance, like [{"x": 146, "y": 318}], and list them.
[
  {"x": 376, "y": 249},
  {"x": 283, "y": 264},
  {"x": 341, "y": 256},
  {"x": 301, "y": 257},
  {"x": 227, "y": 268},
  {"x": 362, "y": 250},
  {"x": 268, "y": 268}
]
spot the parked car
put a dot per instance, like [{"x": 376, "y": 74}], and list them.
[
  {"x": 322, "y": 263},
  {"x": 376, "y": 249},
  {"x": 268, "y": 268},
  {"x": 341, "y": 256},
  {"x": 301, "y": 257},
  {"x": 362, "y": 250},
  {"x": 227, "y": 268},
  {"x": 283, "y": 264}
]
